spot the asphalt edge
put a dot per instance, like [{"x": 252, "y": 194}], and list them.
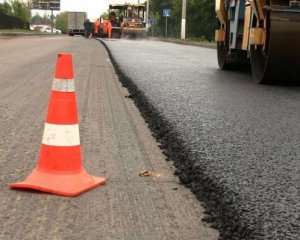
[
  {"x": 220, "y": 210},
  {"x": 184, "y": 42}
]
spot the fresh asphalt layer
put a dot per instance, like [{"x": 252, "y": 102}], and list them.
[{"x": 235, "y": 143}]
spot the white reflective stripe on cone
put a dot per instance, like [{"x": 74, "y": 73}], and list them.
[
  {"x": 61, "y": 135},
  {"x": 63, "y": 85}
]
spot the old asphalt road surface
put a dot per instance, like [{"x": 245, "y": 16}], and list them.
[
  {"x": 116, "y": 143},
  {"x": 236, "y": 143}
]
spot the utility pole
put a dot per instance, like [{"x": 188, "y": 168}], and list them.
[
  {"x": 147, "y": 16},
  {"x": 183, "y": 20},
  {"x": 166, "y": 34},
  {"x": 52, "y": 17}
]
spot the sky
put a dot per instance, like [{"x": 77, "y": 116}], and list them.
[{"x": 94, "y": 8}]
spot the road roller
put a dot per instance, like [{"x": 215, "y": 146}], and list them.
[{"x": 262, "y": 33}]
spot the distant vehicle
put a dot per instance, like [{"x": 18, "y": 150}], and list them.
[
  {"x": 75, "y": 23},
  {"x": 48, "y": 30},
  {"x": 38, "y": 27}
]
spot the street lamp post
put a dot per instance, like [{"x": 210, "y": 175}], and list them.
[{"x": 183, "y": 20}]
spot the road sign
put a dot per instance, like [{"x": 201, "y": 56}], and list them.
[
  {"x": 167, "y": 12},
  {"x": 152, "y": 21},
  {"x": 44, "y": 4}
]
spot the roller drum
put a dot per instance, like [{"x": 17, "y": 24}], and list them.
[{"x": 280, "y": 60}]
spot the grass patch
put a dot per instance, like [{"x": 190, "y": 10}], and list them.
[{"x": 191, "y": 41}]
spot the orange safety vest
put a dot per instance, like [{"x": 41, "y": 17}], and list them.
[
  {"x": 97, "y": 25},
  {"x": 105, "y": 26},
  {"x": 109, "y": 28}
]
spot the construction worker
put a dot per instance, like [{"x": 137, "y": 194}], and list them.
[
  {"x": 87, "y": 29},
  {"x": 105, "y": 27},
  {"x": 109, "y": 29},
  {"x": 97, "y": 26},
  {"x": 121, "y": 19},
  {"x": 113, "y": 18}
]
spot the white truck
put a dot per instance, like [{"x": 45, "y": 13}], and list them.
[{"x": 75, "y": 23}]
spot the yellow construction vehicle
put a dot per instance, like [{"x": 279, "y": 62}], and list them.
[
  {"x": 128, "y": 20},
  {"x": 265, "y": 33}
]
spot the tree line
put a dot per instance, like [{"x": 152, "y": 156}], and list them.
[
  {"x": 200, "y": 18},
  {"x": 20, "y": 10},
  {"x": 16, "y": 8}
]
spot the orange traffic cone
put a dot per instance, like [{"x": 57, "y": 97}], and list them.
[{"x": 60, "y": 169}]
